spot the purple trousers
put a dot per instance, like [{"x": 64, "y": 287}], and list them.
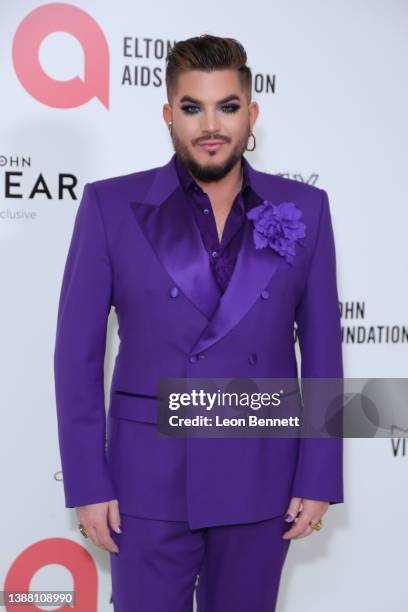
[{"x": 231, "y": 568}]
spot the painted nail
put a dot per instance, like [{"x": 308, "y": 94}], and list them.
[
  {"x": 288, "y": 517},
  {"x": 118, "y": 529}
]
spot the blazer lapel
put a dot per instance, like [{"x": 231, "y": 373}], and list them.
[
  {"x": 172, "y": 232},
  {"x": 252, "y": 272}
]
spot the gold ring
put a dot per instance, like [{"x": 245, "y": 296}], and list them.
[
  {"x": 83, "y": 530},
  {"x": 316, "y": 526}
]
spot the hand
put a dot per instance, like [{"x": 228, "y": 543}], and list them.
[
  {"x": 97, "y": 518},
  {"x": 304, "y": 510}
]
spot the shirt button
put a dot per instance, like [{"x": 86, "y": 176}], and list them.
[
  {"x": 193, "y": 358},
  {"x": 214, "y": 254},
  {"x": 174, "y": 292},
  {"x": 206, "y": 211},
  {"x": 265, "y": 294}
]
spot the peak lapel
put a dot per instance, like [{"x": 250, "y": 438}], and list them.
[
  {"x": 172, "y": 232},
  {"x": 253, "y": 271}
]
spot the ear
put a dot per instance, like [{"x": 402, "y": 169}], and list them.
[
  {"x": 166, "y": 113},
  {"x": 253, "y": 110}
]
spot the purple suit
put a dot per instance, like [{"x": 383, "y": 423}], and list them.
[{"x": 137, "y": 248}]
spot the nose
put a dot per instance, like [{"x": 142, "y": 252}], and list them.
[{"x": 210, "y": 122}]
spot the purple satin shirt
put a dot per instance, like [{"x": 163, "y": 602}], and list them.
[{"x": 222, "y": 254}]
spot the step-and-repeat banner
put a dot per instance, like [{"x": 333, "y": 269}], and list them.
[{"x": 82, "y": 89}]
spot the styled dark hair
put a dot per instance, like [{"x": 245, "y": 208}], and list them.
[{"x": 207, "y": 52}]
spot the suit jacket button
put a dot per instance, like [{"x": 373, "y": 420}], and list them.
[
  {"x": 174, "y": 292},
  {"x": 253, "y": 358},
  {"x": 265, "y": 294},
  {"x": 193, "y": 358}
]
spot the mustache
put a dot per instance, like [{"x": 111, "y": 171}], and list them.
[{"x": 212, "y": 137}]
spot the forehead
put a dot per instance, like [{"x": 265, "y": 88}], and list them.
[{"x": 209, "y": 87}]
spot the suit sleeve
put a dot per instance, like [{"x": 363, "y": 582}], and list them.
[
  {"x": 83, "y": 310},
  {"x": 319, "y": 471}
]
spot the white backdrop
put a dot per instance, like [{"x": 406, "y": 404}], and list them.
[{"x": 335, "y": 117}]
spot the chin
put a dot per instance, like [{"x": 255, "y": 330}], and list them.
[{"x": 214, "y": 159}]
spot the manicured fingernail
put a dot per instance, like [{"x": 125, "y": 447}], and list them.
[
  {"x": 118, "y": 529},
  {"x": 288, "y": 517}
]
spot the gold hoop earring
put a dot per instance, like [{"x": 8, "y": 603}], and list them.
[{"x": 254, "y": 142}]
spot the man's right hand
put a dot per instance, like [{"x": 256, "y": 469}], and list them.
[{"x": 97, "y": 518}]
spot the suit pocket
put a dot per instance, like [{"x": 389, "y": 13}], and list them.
[{"x": 133, "y": 406}]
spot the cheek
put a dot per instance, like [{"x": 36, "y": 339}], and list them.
[
  {"x": 188, "y": 134},
  {"x": 235, "y": 130},
  {"x": 187, "y": 125}
]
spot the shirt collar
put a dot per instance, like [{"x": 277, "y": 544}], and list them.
[{"x": 188, "y": 182}]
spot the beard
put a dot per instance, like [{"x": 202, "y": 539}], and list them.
[{"x": 210, "y": 172}]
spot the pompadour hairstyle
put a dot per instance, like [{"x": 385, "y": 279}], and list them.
[{"x": 207, "y": 53}]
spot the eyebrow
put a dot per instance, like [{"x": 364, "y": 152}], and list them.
[{"x": 222, "y": 101}]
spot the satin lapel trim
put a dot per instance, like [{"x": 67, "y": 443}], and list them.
[
  {"x": 252, "y": 272},
  {"x": 174, "y": 236},
  {"x": 171, "y": 230},
  {"x": 254, "y": 269}
]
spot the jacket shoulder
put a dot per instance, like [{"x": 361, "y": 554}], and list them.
[
  {"x": 291, "y": 187},
  {"x": 133, "y": 184},
  {"x": 310, "y": 199}
]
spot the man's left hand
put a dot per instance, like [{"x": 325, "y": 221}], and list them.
[{"x": 304, "y": 510}]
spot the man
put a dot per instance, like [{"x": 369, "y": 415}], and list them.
[{"x": 178, "y": 250}]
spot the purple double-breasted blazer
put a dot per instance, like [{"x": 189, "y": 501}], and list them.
[{"x": 136, "y": 247}]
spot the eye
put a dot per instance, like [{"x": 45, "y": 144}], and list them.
[
  {"x": 187, "y": 109},
  {"x": 230, "y": 108}
]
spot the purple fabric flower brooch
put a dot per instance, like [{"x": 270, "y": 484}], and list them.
[{"x": 277, "y": 226}]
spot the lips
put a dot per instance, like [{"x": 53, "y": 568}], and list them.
[{"x": 212, "y": 145}]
